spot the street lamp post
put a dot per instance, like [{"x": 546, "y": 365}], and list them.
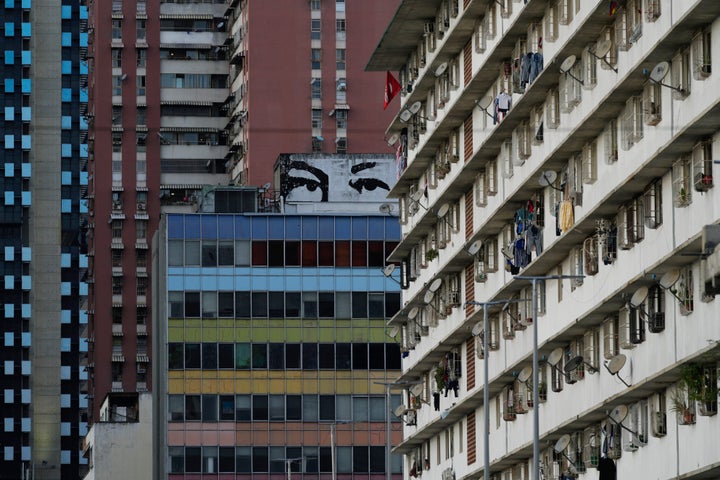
[
  {"x": 388, "y": 442},
  {"x": 486, "y": 386},
  {"x": 536, "y": 377}
]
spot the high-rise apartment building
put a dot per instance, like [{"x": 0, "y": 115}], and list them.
[
  {"x": 158, "y": 84},
  {"x": 271, "y": 350},
  {"x": 42, "y": 252},
  {"x": 298, "y": 84},
  {"x": 571, "y": 146}
]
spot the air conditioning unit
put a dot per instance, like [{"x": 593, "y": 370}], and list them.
[
  {"x": 656, "y": 323},
  {"x": 453, "y": 298},
  {"x": 429, "y": 28},
  {"x": 448, "y": 474},
  {"x": 411, "y": 418}
]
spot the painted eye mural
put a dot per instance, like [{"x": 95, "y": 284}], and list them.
[
  {"x": 370, "y": 184},
  {"x": 299, "y": 176}
]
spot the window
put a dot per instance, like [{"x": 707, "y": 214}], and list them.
[
  {"x": 702, "y": 60},
  {"x": 116, "y": 85},
  {"x": 588, "y": 73},
  {"x": 315, "y": 59},
  {"x": 340, "y": 59},
  {"x": 683, "y": 291},
  {"x": 570, "y": 89},
  {"x": 591, "y": 350},
  {"x": 316, "y": 89},
  {"x": 341, "y": 145},
  {"x": 610, "y": 337},
  {"x": 682, "y": 194},
  {"x": 140, "y": 81},
  {"x": 117, "y": 29},
  {"x": 316, "y": 118},
  {"x": 611, "y": 142},
  {"x": 591, "y": 255},
  {"x": 140, "y": 29},
  {"x": 116, "y": 226},
  {"x": 589, "y": 162},
  {"x": 314, "y": 4},
  {"x": 479, "y": 38},
  {"x": 680, "y": 74},
  {"x": 609, "y": 62},
  {"x": 552, "y": 21},
  {"x": 490, "y": 21},
  {"x": 117, "y": 57},
  {"x": 631, "y": 122},
  {"x": 702, "y": 164},
  {"x": 552, "y": 109},
  {"x": 141, "y": 287},
  {"x": 141, "y": 230},
  {"x": 652, "y": 202},
  {"x": 652, "y": 10},
  {"x": 341, "y": 119},
  {"x": 340, "y": 29},
  {"x": 315, "y": 29},
  {"x": 480, "y": 189},
  {"x": 652, "y": 103}
]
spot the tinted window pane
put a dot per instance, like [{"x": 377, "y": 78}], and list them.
[
  {"x": 225, "y": 254},
  {"x": 175, "y": 356},
  {"x": 242, "y": 408},
  {"x": 292, "y": 355},
  {"x": 326, "y": 254},
  {"x": 276, "y": 304},
  {"x": 359, "y": 254},
  {"x": 309, "y": 253},
  {"x": 209, "y": 356},
  {"x": 209, "y": 254},
  {"x": 226, "y": 304},
  {"x": 392, "y": 359},
  {"x": 209, "y": 408},
  {"x": 227, "y": 459},
  {"x": 227, "y": 407},
  {"x": 243, "y": 459},
  {"x": 376, "y": 254},
  {"x": 392, "y": 304},
  {"x": 292, "y": 253},
  {"x": 292, "y": 304},
  {"x": 260, "y": 407},
  {"x": 327, "y": 407},
  {"x": 242, "y": 253},
  {"x": 259, "y": 305},
  {"x": 360, "y": 459},
  {"x": 275, "y": 253},
  {"x": 377, "y": 459},
  {"x": 260, "y": 459},
  {"x": 309, "y": 356},
  {"x": 360, "y": 356},
  {"x": 309, "y": 306},
  {"x": 259, "y": 253},
  {"x": 259, "y": 355},
  {"x": 192, "y": 459},
  {"x": 242, "y": 304},
  {"x": 342, "y": 356},
  {"x": 376, "y": 307},
  {"x": 192, "y": 407},
  {"x": 192, "y": 355},
  {"x": 276, "y": 358},
  {"x": 377, "y": 356},
  {"x": 294, "y": 407},
  {"x": 359, "y": 305},
  {"x": 343, "y": 305},
  {"x": 327, "y": 356},
  {"x": 326, "y": 304},
  {"x": 192, "y": 304},
  {"x": 242, "y": 356},
  {"x": 342, "y": 254},
  {"x": 310, "y": 408}
]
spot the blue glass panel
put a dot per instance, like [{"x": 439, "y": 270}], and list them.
[
  {"x": 9, "y": 169},
  {"x": 208, "y": 282},
  {"x": 83, "y": 150},
  {"x": 242, "y": 227},
  {"x": 242, "y": 283},
  {"x": 209, "y": 226},
  {"x": 9, "y": 198},
  {"x": 192, "y": 283},
  {"x": 392, "y": 229},
  {"x": 66, "y": 150},
  {"x": 26, "y": 198},
  {"x": 65, "y": 260},
  {"x": 226, "y": 227},
  {"x": 326, "y": 284},
  {"x": 26, "y": 57},
  {"x": 9, "y": 57},
  {"x": 26, "y": 4},
  {"x": 64, "y": 288},
  {"x": 9, "y": 113},
  {"x": 66, "y": 178},
  {"x": 83, "y": 12},
  {"x": 26, "y": 142},
  {"x": 309, "y": 228},
  {"x": 326, "y": 228},
  {"x": 258, "y": 282},
  {"x": 360, "y": 284},
  {"x": 83, "y": 67},
  {"x": 376, "y": 228},
  {"x": 175, "y": 226},
  {"x": 83, "y": 39},
  {"x": 83, "y": 95},
  {"x": 66, "y": 67},
  {"x": 83, "y": 178},
  {"x": 9, "y": 29},
  {"x": 342, "y": 283},
  {"x": 26, "y": 29},
  {"x": 342, "y": 228},
  {"x": 292, "y": 227},
  {"x": 226, "y": 283},
  {"x": 293, "y": 283},
  {"x": 175, "y": 283},
  {"x": 26, "y": 85},
  {"x": 9, "y": 85},
  {"x": 276, "y": 228},
  {"x": 66, "y": 122},
  {"x": 83, "y": 123},
  {"x": 309, "y": 283},
  {"x": 26, "y": 170},
  {"x": 66, "y": 11},
  {"x": 26, "y": 113},
  {"x": 192, "y": 226},
  {"x": 66, "y": 95},
  {"x": 276, "y": 284},
  {"x": 359, "y": 228},
  {"x": 9, "y": 4},
  {"x": 66, "y": 39},
  {"x": 259, "y": 228},
  {"x": 26, "y": 254}
]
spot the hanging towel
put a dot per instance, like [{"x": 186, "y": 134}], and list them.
[{"x": 567, "y": 218}]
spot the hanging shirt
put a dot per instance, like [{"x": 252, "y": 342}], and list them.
[
  {"x": 504, "y": 101},
  {"x": 567, "y": 218}
]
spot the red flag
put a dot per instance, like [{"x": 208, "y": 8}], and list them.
[{"x": 392, "y": 88}]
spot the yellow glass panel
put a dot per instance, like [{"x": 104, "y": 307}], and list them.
[
  {"x": 176, "y": 386},
  {"x": 343, "y": 386},
  {"x": 210, "y": 385},
  {"x": 277, "y": 386},
  {"x": 276, "y": 334},
  {"x": 226, "y": 334},
  {"x": 344, "y": 334},
  {"x": 175, "y": 334},
  {"x": 174, "y": 322},
  {"x": 360, "y": 386},
  {"x": 193, "y": 386},
  {"x": 293, "y": 323},
  {"x": 260, "y": 385},
  {"x": 327, "y": 334},
  {"x": 193, "y": 323},
  {"x": 226, "y": 323},
  {"x": 175, "y": 374},
  {"x": 293, "y": 334},
  {"x": 360, "y": 335},
  {"x": 310, "y": 386},
  {"x": 192, "y": 334},
  {"x": 243, "y": 332},
  {"x": 310, "y": 334},
  {"x": 327, "y": 387},
  {"x": 362, "y": 322},
  {"x": 209, "y": 334},
  {"x": 377, "y": 335},
  {"x": 226, "y": 386},
  {"x": 294, "y": 386}
]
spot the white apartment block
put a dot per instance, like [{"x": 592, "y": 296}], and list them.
[{"x": 602, "y": 168}]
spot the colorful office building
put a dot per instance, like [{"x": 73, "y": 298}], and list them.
[
  {"x": 270, "y": 335},
  {"x": 42, "y": 254}
]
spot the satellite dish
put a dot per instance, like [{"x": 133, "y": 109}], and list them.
[
  {"x": 416, "y": 389},
  {"x": 659, "y": 71},
  {"x": 415, "y": 197},
  {"x": 441, "y": 69},
  {"x": 573, "y": 363},
  {"x": 562, "y": 443},
  {"x": 389, "y": 269},
  {"x": 485, "y": 102},
  {"x": 474, "y": 247},
  {"x": 615, "y": 364},
  {"x": 555, "y": 356},
  {"x": 603, "y": 47},
  {"x": 386, "y": 208},
  {"x": 443, "y": 210},
  {"x": 394, "y": 331},
  {"x": 124, "y": 76},
  {"x": 331, "y": 113},
  {"x": 619, "y": 413},
  {"x": 405, "y": 116},
  {"x": 392, "y": 140},
  {"x": 267, "y": 186},
  {"x": 639, "y": 297},
  {"x": 547, "y": 178},
  {"x": 400, "y": 410},
  {"x": 524, "y": 374},
  {"x": 670, "y": 279},
  {"x": 477, "y": 328},
  {"x": 429, "y": 295},
  {"x": 568, "y": 63},
  {"x": 435, "y": 285},
  {"x": 413, "y": 313},
  {"x": 415, "y": 107}
]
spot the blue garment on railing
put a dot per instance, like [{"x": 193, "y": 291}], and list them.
[{"x": 536, "y": 66}]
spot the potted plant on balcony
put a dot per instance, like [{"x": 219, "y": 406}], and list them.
[
  {"x": 681, "y": 406},
  {"x": 431, "y": 254},
  {"x": 700, "y": 387}
]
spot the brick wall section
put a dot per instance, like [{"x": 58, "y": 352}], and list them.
[
  {"x": 471, "y": 439},
  {"x": 467, "y": 62},
  {"x": 469, "y": 289},
  {"x": 470, "y": 362},
  {"x": 468, "y": 137}
]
